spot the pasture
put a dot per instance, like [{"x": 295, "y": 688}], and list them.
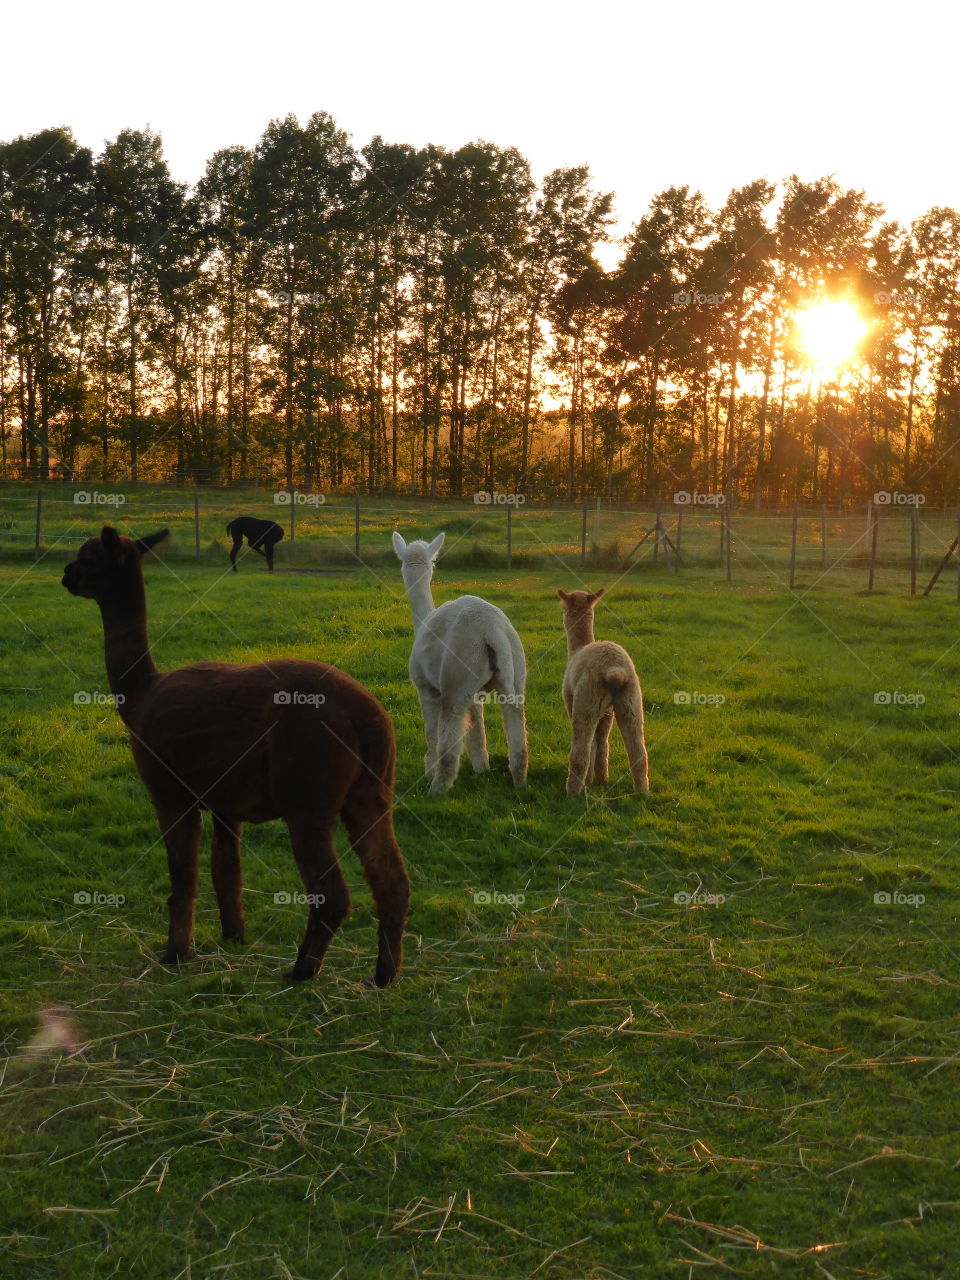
[{"x": 672, "y": 1036}]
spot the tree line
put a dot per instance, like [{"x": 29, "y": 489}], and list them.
[{"x": 429, "y": 320}]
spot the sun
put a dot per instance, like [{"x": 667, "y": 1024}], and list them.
[{"x": 830, "y": 333}]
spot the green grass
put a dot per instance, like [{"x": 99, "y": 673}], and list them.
[
  {"x": 324, "y": 534},
  {"x": 598, "y": 1081}
]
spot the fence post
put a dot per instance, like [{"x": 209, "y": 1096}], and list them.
[
  {"x": 509, "y": 536},
  {"x": 793, "y": 547},
  {"x": 723, "y": 534},
  {"x": 656, "y": 532},
  {"x": 729, "y": 567},
  {"x": 583, "y": 533},
  {"x": 293, "y": 512},
  {"x": 873, "y": 546},
  {"x": 196, "y": 525},
  {"x": 679, "y": 530},
  {"x": 356, "y": 526},
  {"x": 958, "y": 556},
  {"x": 823, "y": 536},
  {"x": 596, "y": 527},
  {"x": 914, "y": 549},
  {"x": 39, "y": 528}
]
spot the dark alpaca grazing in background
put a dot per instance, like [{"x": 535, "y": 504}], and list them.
[
  {"x": 295, "y": 740},
  {"x": 261, "y": 535}
]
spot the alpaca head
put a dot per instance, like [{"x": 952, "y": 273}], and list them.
[
  {"x": 578, "y": 605},
  {"x": 417, "y": 558},
  {"x": 103, "y": 565}
]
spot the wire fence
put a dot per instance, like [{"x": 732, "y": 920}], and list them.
[{"x": 875, "y": 546}]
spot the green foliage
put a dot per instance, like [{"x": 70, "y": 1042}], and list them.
[{"x": 395, "y": 318}]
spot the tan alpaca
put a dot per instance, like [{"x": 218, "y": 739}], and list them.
[{"x": 600, "y": 683}]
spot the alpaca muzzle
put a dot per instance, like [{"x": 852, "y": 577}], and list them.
[{"x": 73, "y": 580}]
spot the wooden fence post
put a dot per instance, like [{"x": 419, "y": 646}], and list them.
[
  {"x": 873, "y": 546},
  {"x": 39, "y": 528},
  {"x": 196, "y": 525},
  {"x": 823, "y": 536},
  {"x": 679, "y": 530},
  {"x": 723, "y": 534},
  {"x": 793, "y": 547},
  {"x": 596, "y": 527},
  {"x": 293, "y": 512},
  {"x": 356, "y": 526},
  {"x": 583, "y": 533},
  {"x": 914, "y": 549},
  {"x": 729, "y": 550},
  {"x": 509, "y": 535}
]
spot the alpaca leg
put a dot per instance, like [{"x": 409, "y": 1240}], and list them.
[
  {"x": 180, "y": 825},
  {"x": 582, "y": 740},
  {"x": 430, "y": 706},
  {"x": 237, "y": 544},
  {"x": 477, "y": 739},
  {"x": 601, "y": 748},
  {"x": 449, "y": 746},
  {"x": 368, "y": 816},
  {"x": 227, "y": 877},
  {"x": 629, "y": 713},
  {"x": 515, "y": 725},
  {"x": 268, "y": 552},
  {"x": 328, "y": 895}
]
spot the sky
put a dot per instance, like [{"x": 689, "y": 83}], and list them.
[{"x": 710, "y": 95}]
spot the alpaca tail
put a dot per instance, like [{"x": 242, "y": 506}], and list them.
[
  {"x": 616, "y": 679},
  {"x": 507, "y": 665}
]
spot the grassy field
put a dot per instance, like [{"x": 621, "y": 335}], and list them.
[
  {"x": 607, "y": 1076},
  {"x": 327, "y": 532}
]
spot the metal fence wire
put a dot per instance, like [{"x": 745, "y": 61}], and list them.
[{"x": 869, "y": 547}]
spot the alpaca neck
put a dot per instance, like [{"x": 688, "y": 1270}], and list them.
[
  {"x": 579, "y": 632},
  {"x": 417, "y": 582},
  {"x": 130, "y": 667}
]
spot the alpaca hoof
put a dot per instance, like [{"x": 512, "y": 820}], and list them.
[
  {"x": 172, "y": 956},
  {"x": 483, "y": 766},
  {"x": 301, "y": 972},
  {"x": 438, "y": 788},
  {"x": 380, "y": 979},
  {"x": 237, "y": 936}
]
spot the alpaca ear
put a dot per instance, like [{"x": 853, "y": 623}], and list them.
[
  {"x": 434, "y": 548},
  {"x": 595, "y": 596},
  {"x": 562, "y": 594},
  {"x": 152, "y": 540},
  {"x": 109, "y": 538},
  {"x": 399, "y": 545}
]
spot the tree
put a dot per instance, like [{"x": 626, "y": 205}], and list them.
[{"x": 140, "y": 212}]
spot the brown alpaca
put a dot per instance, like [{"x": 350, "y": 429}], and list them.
[
  {"x": 295, "y": 740},
  {"x": 600, "y": 683}
]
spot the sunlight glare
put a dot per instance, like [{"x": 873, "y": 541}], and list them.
[{"x": 830, "y": 332}]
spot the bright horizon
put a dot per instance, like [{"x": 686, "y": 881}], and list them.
[{"x": 647, "y": 99}]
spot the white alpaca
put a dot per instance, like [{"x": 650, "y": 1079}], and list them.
[{"x": 462, "y": 651}]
